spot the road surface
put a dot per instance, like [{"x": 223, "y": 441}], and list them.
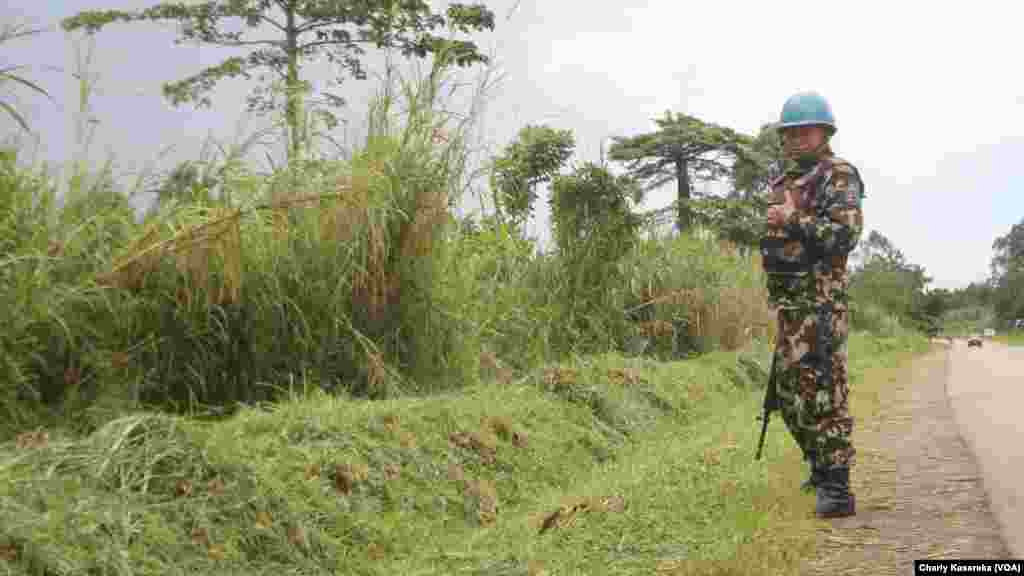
[{"x": 986, "y": 389}]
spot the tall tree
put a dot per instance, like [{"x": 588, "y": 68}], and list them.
[
  {"x": 299, "y": 31},
  {"x": 887, "y": 279},
  {"x": 1009, "y": 251},
  {"x": 683, "y": 148},
  {"x": 878, "y": 249},
  {"x": 1008, "y": 273}
]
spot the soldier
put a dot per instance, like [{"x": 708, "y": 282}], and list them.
[{"x": 814, "y": 223}]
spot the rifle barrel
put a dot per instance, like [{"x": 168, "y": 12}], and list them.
[{"x": 764, "y": 431}]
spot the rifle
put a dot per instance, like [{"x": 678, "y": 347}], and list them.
[{"x": 771, "y": 402}]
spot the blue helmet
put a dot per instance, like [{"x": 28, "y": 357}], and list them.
[{"x": 807, "y": 109}]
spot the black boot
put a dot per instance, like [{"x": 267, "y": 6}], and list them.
[
  {"x": 834, "y": 497},
  {"x": 816, "y": 475}
]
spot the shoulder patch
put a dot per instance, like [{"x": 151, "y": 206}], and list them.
[{"x": 845, "y": 182}]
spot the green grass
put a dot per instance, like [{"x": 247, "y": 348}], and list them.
[
  {"x": 1015, "y": 338},
  {"x": 454, "y": 484}
]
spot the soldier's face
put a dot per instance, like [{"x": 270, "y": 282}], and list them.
[{"x": 803, "y": 138}]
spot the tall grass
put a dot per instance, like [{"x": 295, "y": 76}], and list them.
[{"x": 352, "y": 275}]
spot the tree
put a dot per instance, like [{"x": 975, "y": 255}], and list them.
[
  {"x": 885, "y": 278},
  {"x": 300, "y": 30},
  {"x": 533, "y": 158},
  {"x": 880, "y": 250},
  {"x": 1008, "y": 297},
  {"x": 683, "y": 148},
  {"x": 1009, "y": 251},
  {"x": 937, "y": 302},
  {"x": 757, "y": 162},
  {"x": 594, "y": 229},
  {"x": 185, "y": 183},
  {"x": 591, "y": 212},
  {"x": 738, "y": 220},
  {"x": 1008, "y": 273}
]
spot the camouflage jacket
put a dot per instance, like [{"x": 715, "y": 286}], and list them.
[{"x": 805, "y": 259}]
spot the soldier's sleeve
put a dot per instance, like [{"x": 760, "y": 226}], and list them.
[{"x": 838, "y": 230}]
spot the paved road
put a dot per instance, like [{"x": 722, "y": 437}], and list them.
[{"x": 986, "y": 389}]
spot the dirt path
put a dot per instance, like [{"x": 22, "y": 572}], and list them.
[{"x": 919, "y": 489}]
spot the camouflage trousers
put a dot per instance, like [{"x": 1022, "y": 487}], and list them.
[{"x": 811, "y": 381}]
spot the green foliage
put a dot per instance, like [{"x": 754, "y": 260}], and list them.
[
  {"x": 1007, "y": 289},
  {"x": 1009, "y": 250},
  {"x": 208, "y": 303},
  {"x": 738, "y": 220},
  {"x": 867, "y": 316},
  {"x": 1009, "y": 295},
  {"x": 497, "y": 280},
  {"x": 185, "y": 184},
  {"x": 712, "y": 296},
  {"x": 591, "y": 213},
  {"x": 886, "y": 279},
  {"x": 58, "y": 322},
  {"x": 335, "y": 271},
  {"x": 683, "y": 148},
  {"x": 962, "y": 311},
  {"x": 534, "y": 157},
  {"x": 756, "y": 161},
  {"x": 303, "y": 30},
  {"x": 594, "y": 230},
  {"x": 937, "y": 302},
  {"x": 966, "y": 320}
]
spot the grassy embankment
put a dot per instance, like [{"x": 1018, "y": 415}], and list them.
[{"x": 650, "y": 464}]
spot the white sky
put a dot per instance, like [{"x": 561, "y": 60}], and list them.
[{"x": 928, "y": 95}]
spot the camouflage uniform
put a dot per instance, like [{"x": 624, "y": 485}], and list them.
[{"x": 807, "y": 282}]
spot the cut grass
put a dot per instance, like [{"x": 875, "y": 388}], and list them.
[{"x": 600, "y": 466}]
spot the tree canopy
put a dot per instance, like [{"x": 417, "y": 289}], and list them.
[
  {"x": 280, "y": 35},
  {"x": 534, "y": 157},
  {"x": 1008, "y": 273},
  {"x": 683, "y": 148}
]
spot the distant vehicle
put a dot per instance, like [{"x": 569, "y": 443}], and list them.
[
  {"x": 989, "y": 333},
  {"x": 974, "y": 341}
]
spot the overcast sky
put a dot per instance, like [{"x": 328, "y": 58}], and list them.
[{"x": 929, "y": 96}]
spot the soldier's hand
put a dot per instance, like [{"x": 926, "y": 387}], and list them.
[{"x": 778, "y": 214}]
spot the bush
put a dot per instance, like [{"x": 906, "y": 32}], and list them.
[{"x": 872, "y": 318}]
